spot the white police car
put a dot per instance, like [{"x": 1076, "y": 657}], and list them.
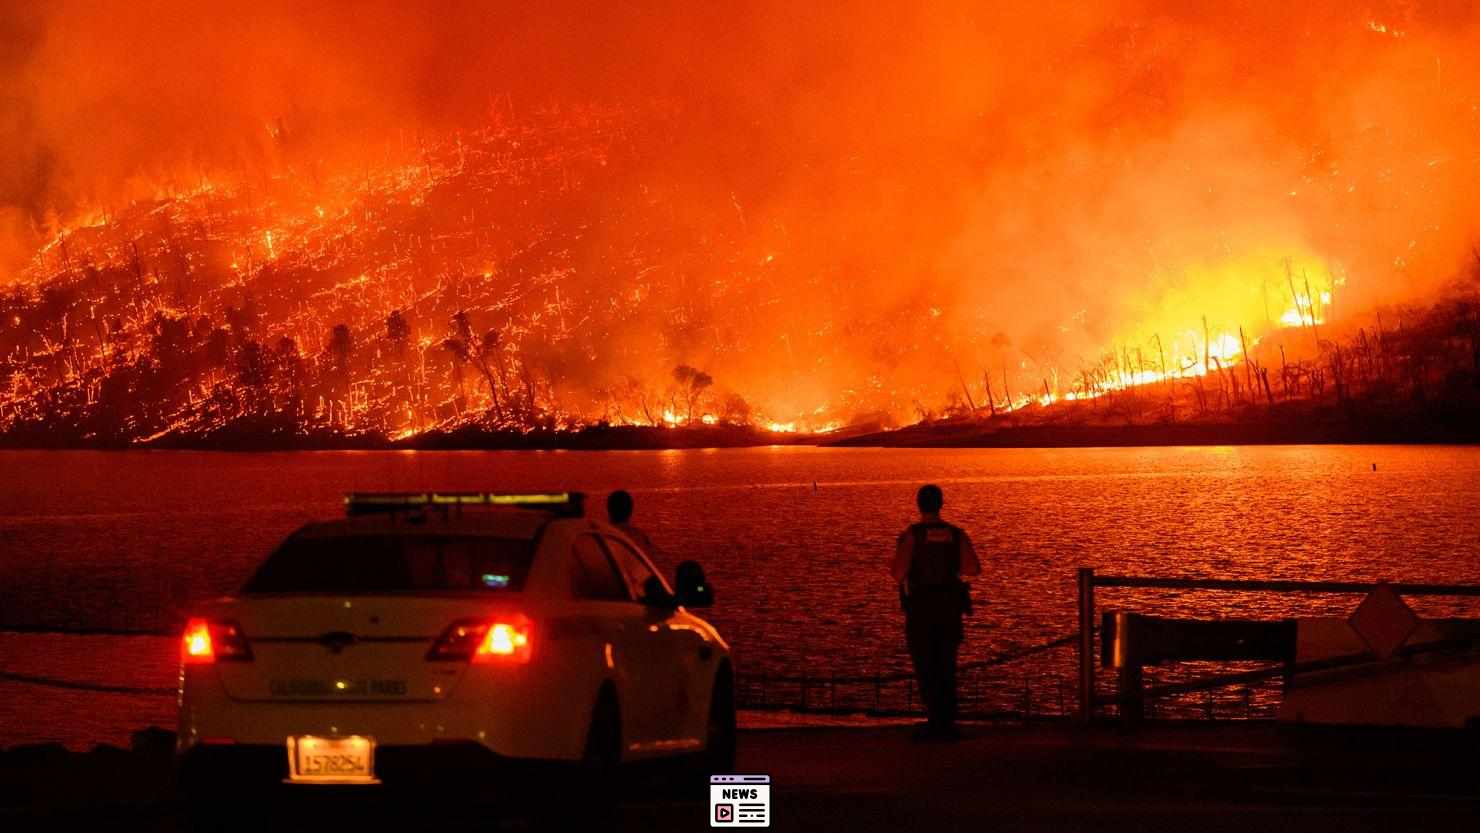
[{"x": 431, "y": 636}]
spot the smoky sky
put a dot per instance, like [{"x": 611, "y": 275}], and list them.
[{"x": 1066, "y": 175}]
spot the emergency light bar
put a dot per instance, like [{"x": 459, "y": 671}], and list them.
[{"x": 564, "y": 504}]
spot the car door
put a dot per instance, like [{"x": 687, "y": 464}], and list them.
[
  {"x": 635, "y": 656},
  {"x": 681, "y": 655}
]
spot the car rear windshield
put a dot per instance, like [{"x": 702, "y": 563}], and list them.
[{"x": 394, "y": 564}]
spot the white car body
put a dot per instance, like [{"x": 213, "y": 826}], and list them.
[{"x": 352, "y": 664}]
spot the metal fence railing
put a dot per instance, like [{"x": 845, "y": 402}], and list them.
[
  {"x": 982, "y": 687},
  {"x": 985, "y": 690},
  {"x": 86, "y": 685},
  {"x": 1242, "y": 680}
]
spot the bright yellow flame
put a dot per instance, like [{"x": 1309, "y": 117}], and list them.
[
  {"x": 1224, "y": 347},
  {"x": 1260, "y": 290},
  {"x": 1305, "y": 311}
]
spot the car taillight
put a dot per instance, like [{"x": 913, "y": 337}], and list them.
[
  {"x": 506, "y": 639},
  {"x": 206, "y": 641}
]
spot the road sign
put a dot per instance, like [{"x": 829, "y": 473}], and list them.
[{"x": 1384, "y": 621}]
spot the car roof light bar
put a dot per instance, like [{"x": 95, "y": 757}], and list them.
[{"x": 564, "y": 504}]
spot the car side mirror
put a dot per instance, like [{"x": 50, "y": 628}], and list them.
[{"x": 690, "y": 587}]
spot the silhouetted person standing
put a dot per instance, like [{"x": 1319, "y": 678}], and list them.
[
  {"x": 619, "y": 506},
  {"x": 929, "y": 561}
]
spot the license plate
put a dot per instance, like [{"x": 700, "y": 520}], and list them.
[{"x": 341, "y": 760}]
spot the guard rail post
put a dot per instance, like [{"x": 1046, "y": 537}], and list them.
[{"x": 1086, "y": 644}]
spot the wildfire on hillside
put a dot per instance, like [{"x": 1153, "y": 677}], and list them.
[{"x": 828, "y": 220}]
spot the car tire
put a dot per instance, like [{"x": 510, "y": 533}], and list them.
[
  {"x": 583, "y": 797},
  {"x": 601, "y": 762},
  {"x": 720, "y": 740},
  {"x": 604, "y": 737}
]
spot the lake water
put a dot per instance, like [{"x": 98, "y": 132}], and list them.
[{"x": 795, "y": 539}]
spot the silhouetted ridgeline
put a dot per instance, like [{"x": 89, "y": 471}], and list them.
[{"x": 1293, "y": 424}]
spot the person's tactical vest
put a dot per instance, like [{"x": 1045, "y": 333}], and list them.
[
  {"x": 936, "y": 595},
  {"x": 936, "y": 563}
]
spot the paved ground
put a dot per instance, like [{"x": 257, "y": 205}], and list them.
[
  {"x": 1000, "y": 778},
  {"x": 1062, "y": 779}
]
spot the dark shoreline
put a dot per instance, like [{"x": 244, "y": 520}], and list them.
[
  {"x": 592, "y": 438},
  {"x": 1282, "y": 425},
  {"x": 1137, "y": 436}
]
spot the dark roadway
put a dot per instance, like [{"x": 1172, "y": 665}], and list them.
[{"x": 1233, "y": 777}]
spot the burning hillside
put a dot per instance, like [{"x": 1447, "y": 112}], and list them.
[
  {"x": 399, "y": 223},
  {"x": 430, "y": 293}
]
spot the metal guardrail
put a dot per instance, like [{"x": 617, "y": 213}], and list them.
[
  {"x": 1087, "y": 581},
  {"x": 893, "y": 694},
  {"x": 64, "y": 631},
  {"x": 84, "y": 685},
  {"x": 1278, "y": 586},
  {"x": 901, "y": 676},
  {"x": 758, "y": 691},
  {"x": 78, "y": 685},
  {"x": 881, "y": 693}
]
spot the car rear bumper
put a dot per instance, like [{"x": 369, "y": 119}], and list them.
[
  {"x": 209, "y": 769},
  {"x": 509, "y": 716}
]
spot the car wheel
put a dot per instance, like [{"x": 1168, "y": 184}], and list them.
[
  {"x": 720, "y": 740},
  {"x": 603, "y": 756},
  {"x": 594, "y": 776},
  {"x": 604, "y": 738}
]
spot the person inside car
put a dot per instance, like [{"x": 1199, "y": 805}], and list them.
[{"x": 619, "y": 507}]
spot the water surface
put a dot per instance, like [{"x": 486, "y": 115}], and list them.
[{"x": 796, "y": 540}]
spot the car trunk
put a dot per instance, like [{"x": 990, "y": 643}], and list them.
[{"x": 347, "y": 648}]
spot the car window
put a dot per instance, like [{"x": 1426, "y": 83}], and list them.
[
  {"x": 593, "y": 576},
  {"x": 394, "y": 564},
  {"x": 634, "y": 567}
]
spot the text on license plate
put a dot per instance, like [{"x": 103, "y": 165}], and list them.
[{"x": 342, "y": 760}]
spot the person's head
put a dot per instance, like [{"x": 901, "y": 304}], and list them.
[
  {"x": 619, "y": 506},
  {"x": 929, "y": 499}
]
